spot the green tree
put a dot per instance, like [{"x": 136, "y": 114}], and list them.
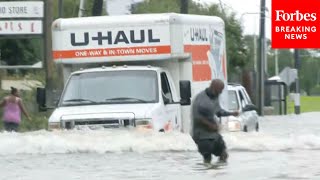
[
  {"x": 71, "y": 8},
  {"x": 20, "y": 51},
  {"x": 251, "y": 50},
  {"x": 236, "y": 50},
  {"x": 309, "y": 71},
  {"x": 285, "y": 59}
]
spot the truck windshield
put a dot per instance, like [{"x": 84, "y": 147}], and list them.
[{"x": 111, "y": 87}]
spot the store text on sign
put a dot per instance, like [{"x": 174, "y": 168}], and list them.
[
  {"x": 21, "y": 9},
  {"x": 14, "y": 10}
]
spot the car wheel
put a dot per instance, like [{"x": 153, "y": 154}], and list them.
[
  {"x": 245, "y": 129},
  {"x": 257, "y": 127}
]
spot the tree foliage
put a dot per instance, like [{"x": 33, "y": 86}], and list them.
[
  {"x": 236, "y": 51},
  {"x": 20, "y": 51}
]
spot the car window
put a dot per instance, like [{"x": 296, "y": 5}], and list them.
[
  {"x": 246, "y": 96},
  {"x": 243, "y": 101},
  {"x": 233, "y": 100}
]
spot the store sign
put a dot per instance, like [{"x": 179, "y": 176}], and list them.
[
  {"x": 20, "y": 27},
  {"x": 21, "y": 9}
]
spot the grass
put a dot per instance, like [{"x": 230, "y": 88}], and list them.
[{"x": 307, "y": 104}]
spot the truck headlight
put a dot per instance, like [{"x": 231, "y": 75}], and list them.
[
  {"x": 144, "y": 123},
  {"x": 54, "y": 125}
]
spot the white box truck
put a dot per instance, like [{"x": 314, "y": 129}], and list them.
[{"x": 135, "y": 70}]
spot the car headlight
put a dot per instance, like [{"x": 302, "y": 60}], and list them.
[
  {"x": 54, "y": 125},
  {"x": 234, "y": 126},
  {"x": 144, "y": 123}
]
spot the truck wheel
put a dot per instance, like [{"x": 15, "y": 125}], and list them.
[
  {"x": 257, "y": 127},
  {"x": 245, "y": 129}
]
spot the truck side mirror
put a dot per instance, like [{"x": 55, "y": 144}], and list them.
[
  {"x": 41, "y": 99},
  {"x": 185, "y": 92}
]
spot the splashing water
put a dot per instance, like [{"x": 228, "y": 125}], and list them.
[{"x": 293, "y": 137}]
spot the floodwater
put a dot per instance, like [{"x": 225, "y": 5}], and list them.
[{"x": 287, "y": 147}]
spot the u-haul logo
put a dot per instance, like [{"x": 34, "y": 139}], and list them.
[
  {"x": 110, "y": 37},
  {"x": 198, "y": 34}
]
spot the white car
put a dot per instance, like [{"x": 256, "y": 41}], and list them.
[{"x": 248, "y": 119}]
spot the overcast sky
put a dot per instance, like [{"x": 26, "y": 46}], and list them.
[{"x": 250, "y": 22}]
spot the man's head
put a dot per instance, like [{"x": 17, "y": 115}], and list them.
[{"x": 216, "y": 86}]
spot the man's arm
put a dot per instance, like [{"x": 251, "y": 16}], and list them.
[
  {"x": 23, "y": 109},
  {"x": 223, "y": 112}
]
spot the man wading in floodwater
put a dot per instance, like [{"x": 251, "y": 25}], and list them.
[{"x": 205, "y": 129}]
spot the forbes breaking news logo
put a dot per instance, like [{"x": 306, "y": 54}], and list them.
[
  {"x": 295, "y": 32},
  {"x": 295, "y": 25}
]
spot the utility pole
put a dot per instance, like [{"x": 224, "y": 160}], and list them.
[
  {"x": 184, "y": 6},
  {"x": 97, "y": 7},
  {"x": 184, "y": 10},
  {"x": 297, "y": 94},
  {"x": 262, "y": 59},
  {"x": 48, "y": 62},
  {"x": 60, "y": 8},
  {"x": 255, "y": 53},
  {"x": 276, "y": 62},
  {"x": 81, "y": 8}
]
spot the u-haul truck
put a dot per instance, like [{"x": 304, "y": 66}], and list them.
[{"x": 136, "y": 70}]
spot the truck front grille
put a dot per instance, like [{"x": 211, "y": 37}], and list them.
[
  {"x": 96, "y": 122},
  {"x": 106, "y": 123}
]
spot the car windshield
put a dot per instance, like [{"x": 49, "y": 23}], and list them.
[
  {"x": 233, "y": 102},
  {"x": 111, "y": 87}
]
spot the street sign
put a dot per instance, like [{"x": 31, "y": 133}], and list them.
[
  {"x": 20, "y": 27},
  {"x": 21, "y": 9},
  {"x": 288, "y": 75},
  {"x": 21, "y": 20}
]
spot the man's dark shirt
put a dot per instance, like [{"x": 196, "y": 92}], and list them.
[{"x": 205, "y": 106}]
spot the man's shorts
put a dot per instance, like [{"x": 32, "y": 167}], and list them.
[{"x": 211, "y": 146}]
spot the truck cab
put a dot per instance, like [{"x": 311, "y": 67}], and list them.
[{"x": 120, "y": 96}]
